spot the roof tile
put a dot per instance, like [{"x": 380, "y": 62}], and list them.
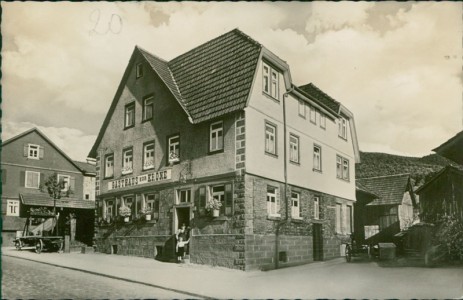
[{"x": 389, "y": 189}]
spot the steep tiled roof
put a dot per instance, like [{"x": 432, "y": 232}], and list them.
[
  {"x": 216, "y": 77},
  {"x": 45, "y": 200},
  {"x": 318, "y": 95},
  {"x": 389, "y": 189},
  {"x": 452, "y": 149}
]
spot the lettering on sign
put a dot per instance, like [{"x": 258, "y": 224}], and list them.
[{"x": 142, "y": 179}]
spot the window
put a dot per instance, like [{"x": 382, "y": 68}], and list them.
[
  {"x": 313, "y": 115},
  {"x": 293, "y": 148},
  {"x": 65, "y": 180},
  {"x": 301, "y": 108},
  {"x": 127, "y": 161},
  {"x": 316, "y": 208},
  {"x": 273, "y": 206},
  {"x": 322, "y": 120},
  {"x": 184, "y": 196},
  {"x": 87, "y": 197},
  {"x": 270, "y": 81},
  {"x": 342, "y": 128},
  {"x": 109, "y": 210},
  {"x": 317, "y": 158},
  {"x": 12, "y": 208},
  {"x": 216, "y": 136},
  {"x": 139, "y": 70},
  {"x": 174, "y": 149},
  {"x": 152, "y": 203},
  {"x": 148, "y": 156},
  {"x": 338, "y": 218},
  {"x": 220, "y": 192},
  {"x": 33, "y": 151},
  {"x": 295, "y": 205},
  {"x": 148, "y": 105},
  {"x": 32, "y": 179},
  {"x": 342, "y": 168},
  {"x": 109, "y": 166},
  {"x": 129, "y": 115},
  {"x": 349, "y": 219},
  {"x": 270, "y": 139}
]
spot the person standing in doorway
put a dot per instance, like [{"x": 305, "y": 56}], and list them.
[{"x": 180, "y": 248}]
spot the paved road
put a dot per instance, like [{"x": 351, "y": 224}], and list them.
[{"x": 31, "y": 280}]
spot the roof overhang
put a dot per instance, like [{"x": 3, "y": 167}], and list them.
[
  {"x": 452, "y": 149},
  {"x": 301, "y": 95},
  {"x": 39, "y": 200}
]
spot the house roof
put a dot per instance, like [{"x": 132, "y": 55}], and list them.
[
  {"x": 46, "y": 200},
  {"x": 87, "y": 168},
  {"x": 362, "y": 188},
  {"x": 452, "y": 149},
  {"x": 321, "y": 97},
  {"x": 36, "y": 130},
  {"x": 389, "y": 189},
  {"x": 447, "y": 169}
]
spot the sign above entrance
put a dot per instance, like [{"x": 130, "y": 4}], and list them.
[{"x": 142, "y": 179}]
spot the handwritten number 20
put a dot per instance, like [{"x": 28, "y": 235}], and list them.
[{"x": 114, "y": 23}]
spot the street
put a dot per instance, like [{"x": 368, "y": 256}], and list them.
[{"x": 31, "y": 280}]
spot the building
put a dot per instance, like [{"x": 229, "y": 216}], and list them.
[
  {"x": 224, "y": 121},
  {"x": 388, "y": 206},
  {"x": 451, "y": 149},
  {"x": 28, "y": 159}
]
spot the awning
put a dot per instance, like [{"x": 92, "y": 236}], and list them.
[{"x": 45, "y": 200}]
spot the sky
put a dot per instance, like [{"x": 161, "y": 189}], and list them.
[{"x": 396, "y": 66}]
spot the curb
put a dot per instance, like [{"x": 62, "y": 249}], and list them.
[{"x": 116, "y": 277}]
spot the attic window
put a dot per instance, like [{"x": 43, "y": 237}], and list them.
[
  {"x": 139, "y": 70},
  {"x": 270, "y": 79}
]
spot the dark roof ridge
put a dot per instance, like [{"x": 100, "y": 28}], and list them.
[
  {"x": 319, "y": 90},
  {"x": 383, "y": 176}
]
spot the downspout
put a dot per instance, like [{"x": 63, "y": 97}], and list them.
[{"x": 285, "y": 171}]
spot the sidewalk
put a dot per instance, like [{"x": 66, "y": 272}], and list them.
[{"x": 333, "y": 279}]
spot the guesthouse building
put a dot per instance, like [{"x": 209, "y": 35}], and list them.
[{"x": 224, "y": 125}]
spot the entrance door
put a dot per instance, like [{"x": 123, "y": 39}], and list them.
[
  {"x": 183, "y": 217},
  {"x": 317, "y": 235}
]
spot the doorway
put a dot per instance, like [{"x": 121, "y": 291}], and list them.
[{"x": 317, "y": 235}]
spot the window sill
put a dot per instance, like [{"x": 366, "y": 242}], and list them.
[
  {"x": 317, "y": 170},
  {"x": 146, "y": 120},
  {"x": 313, "y": 122},
  {"x": 173, "y": 163},
  {"x": 215, "y": 151},
  {"x": 297, "y": 219},
  {"x": 110, "y": 177},
  {"x": 342, "y": 138},
  {"x": 274, "y": 217},
  {"x": 128, "y": 127},
  {"x": 302, "y": 116},
  {"x": 148, "y": 169},
  {"x": 295, "y": 163},
  {"x": 342, "y": 179},
  {"x": 271, "y": 154},
  {"x": 271, "y": 97},
  {"x": 125, "y": 174}
]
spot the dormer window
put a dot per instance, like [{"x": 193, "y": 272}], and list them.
[
  {"x": 270, "y": 79},
  {"x": 139, "y": 70}
]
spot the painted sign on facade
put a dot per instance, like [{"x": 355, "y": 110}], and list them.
[{"x": 142, "y": 179}]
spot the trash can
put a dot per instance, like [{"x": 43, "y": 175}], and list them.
[{"x": 386, "y": 251}]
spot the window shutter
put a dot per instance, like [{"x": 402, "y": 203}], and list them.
[
  {"x": 22, "y": 178},
  {"x": 229, "y": 198},
  {"x": 25, "y": 150},
  {"x": 3, "y": 176},
  {"x": 72, "y": 183},
  {"x": 42, "y": 179},
  {"x": 41, "y": 152},
  {"x": 102, "y": 209},
  {"x": 156, "y": 203}
]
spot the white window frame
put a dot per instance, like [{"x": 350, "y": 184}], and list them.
[
  {"x": 270, "y": 81},
  {"x": 301, "y": 108},
  {"x": 139, "y": 70},
  {"x": 28, "y": 173},
  {"x": 322, "y": 120},
  {"x": 66, "y": 180},
  {"x": 216, "y": 136},
  {"x": 174, "y": 149},
  {"x": 184, "y": 194},
  {"x": 270, "y": 138},
  {"x": 342, "y": 168},
  {"x": 293, "y": 148},
  {"x": 317, "y": 158},
  {"x": 316, "y": 207},
  {"x": 296, "y": 205},
  {"x": 109, "y": 209},
  {"x": 148, "y": 102},
  {"x": 313, "y": 115},
  {"x": 33, "y": 151},
  {"x": 109, "y": 165},
  {"x": 129, "y": 115},
  {"x": 127, "y": 161},
  {"x": 273, "y": 205},
  {"x": 12, "y": 208},
  {"x": 150, "y": 202},
  {"x": 342, "y": 128},
  {"x": 148, "y": 156}
]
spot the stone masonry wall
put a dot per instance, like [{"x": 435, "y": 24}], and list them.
[{"x": 225, "y": 250}]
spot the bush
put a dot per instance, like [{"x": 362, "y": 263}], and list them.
[{"x": 450, "y": 235}]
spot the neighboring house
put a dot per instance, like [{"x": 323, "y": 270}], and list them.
[
  {"x": 393, "y": 209},
  {"x": 443, "y": 193},
  {"x": 224, "y": 121},
  {"x": 28, "y": 159},
  {"x": 361, "y": 216}
]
